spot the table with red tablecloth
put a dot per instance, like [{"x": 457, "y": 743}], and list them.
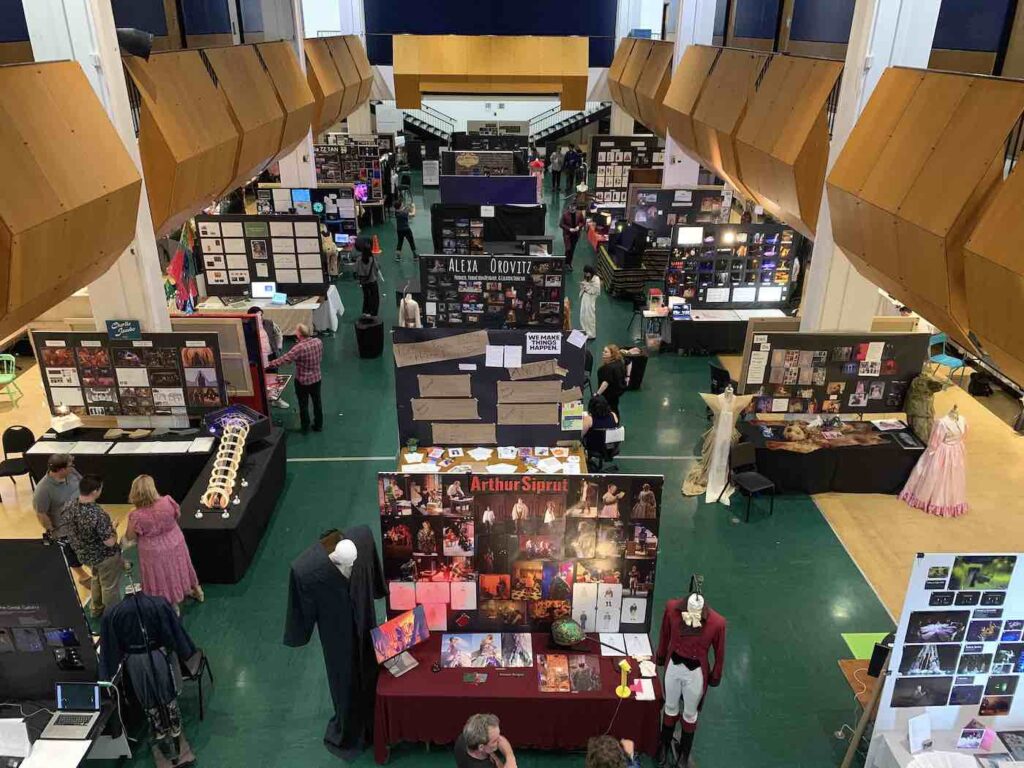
[{"x": 432, "y": 707}]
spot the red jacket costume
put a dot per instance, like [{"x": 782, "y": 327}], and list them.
[{"x": 689, "y": 643}]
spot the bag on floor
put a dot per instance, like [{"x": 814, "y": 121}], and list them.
[{"x": 980, "y": 384}]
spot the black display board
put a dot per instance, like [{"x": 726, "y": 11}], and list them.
[
  {"x": 490, "y": 142},
  {"x": 44, "y": 638},
  {"x": 507, "y": 223},
  {"x": 733, "y": 266},
  {"x": 832, "y": 373},
  {"x": 482, "y": 558},
  {"x": 493, "y": 291},
  {"x": 451, "y": 369},
  {"x": 161, "y": 374},
  {"x": 238, "y": 250},
  {"x": 660, "y": 210},
  {"x": 481, "y": 163},
  {"x": 333, "y": 206},
  {"x": 613, "y": 156},
  {"x": 351, "y": 161}
]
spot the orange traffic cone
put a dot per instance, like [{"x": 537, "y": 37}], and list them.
[{"x": 376, "y": 246}]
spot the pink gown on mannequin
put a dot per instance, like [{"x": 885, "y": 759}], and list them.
[{"x": 938, "y": 484}]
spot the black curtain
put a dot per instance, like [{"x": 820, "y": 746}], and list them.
[{"x": 508, "y": 222}]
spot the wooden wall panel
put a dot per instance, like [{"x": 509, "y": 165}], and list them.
[
  {"x": 187, "y": 136},
  {"x": 324, "y": 82},
  {"x": 346, "y": 67},
  {"x": 355, "y": 47},
  {"x": 653, "y": 85},
  {"x": 684, "y": 92},
  {"x": 293, "y": 93},
  {"x": 618, "y": 66},
  {"x": 969, "y": 62},
  {"x": 254, "y": 107},
  {"x": 73, "y": 208},
  {"x": 631, "y": 76}
]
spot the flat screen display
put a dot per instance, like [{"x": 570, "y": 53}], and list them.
[
  {"x": 78, "y": 697},
  {"x": 399, "y": 634}
]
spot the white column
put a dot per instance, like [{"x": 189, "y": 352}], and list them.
[
  {"x": 360, "y": 122},
  {"x": 884, "y": 33},
  {"x": 83, "y": 30},
  {"x": 695, "y": 24},
  {"x": 297, "y": 169}
]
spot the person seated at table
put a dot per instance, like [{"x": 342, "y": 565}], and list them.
[
  {"x": 481, "y": 745},
  {"x": 609, "y": 752},
  {"x": 597, "y": 420},
  {"x": 611, "y": 376}
]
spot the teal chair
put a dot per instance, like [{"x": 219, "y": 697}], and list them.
[
  {"x": 8, "y": 374},
  {"x": 943, "y": 358}
]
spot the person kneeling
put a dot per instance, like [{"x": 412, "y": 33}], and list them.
[{"x": 481, "y": 745}]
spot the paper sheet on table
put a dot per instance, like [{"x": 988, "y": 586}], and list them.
[
  {"x": 550, "y": 466},
  {"x": 495, "y": 357},
  {"x": 170, "y": 446},
  {"x": 420, "y": 468},
  {"x": 616, "y": 641},
  {"x": 92, "y": 446},
  {"x": 125, "y": 448},
  {"x": 637, "y": 644},
  {"x": 14, "y": 740},
  {"x": 480, "y": 454},
  {"x": 51, "y": 446},
  {"x": 201, "y": 445},
  {"x": 513, "y": 357},
  {"x": 577, "y": 338},
  {"x": 412, "y": 458},
  {"x": 502, "y": 469},
  {"x": 51, "y": 753},
  {"x": 507, "y": 452},
  {"x": 646, "y": 689}
]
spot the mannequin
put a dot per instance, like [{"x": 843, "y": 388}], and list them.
[
  {"x": 409, "y": 313},
  {"x": 690, "y": 631},
  {"x": 711, "y": 474},
  {"x": 342, "y": 608},
  {"x": 938, "y": 484}
]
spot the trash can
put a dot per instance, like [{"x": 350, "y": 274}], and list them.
[{"x": 370, "y": 336}]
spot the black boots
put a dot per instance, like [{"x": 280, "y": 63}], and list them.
[
  {"x": 666, "y": 757},
  {"x": 685, "y": 746}
]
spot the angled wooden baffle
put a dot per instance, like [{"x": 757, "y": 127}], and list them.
[
  {"x": 631, "y": 76},
  {"x": 652, "y": 86},
  {"x": 325, "y": 83},
  {"x": 918, "y": 170},
  {"x": 688, "y": 83},
  {"x": 355, "y": 47},
  {"x": 346, "y": 67},
  {"x": 69, "y": 207},
  {"x": 618, "y": 66},
  {"x": 293, "y": 93},
  {"x": 187, "y": 138}
]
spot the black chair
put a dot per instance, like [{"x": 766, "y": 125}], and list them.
[
  {"x": 588, "y": 365},
  {"x": 639, "y": 305},
  {"x": 16, "y": 439},
  {"x": 192, "y": 669},
  {"x": 744, "y": 475},
  {"x": 600, "y": 453}
]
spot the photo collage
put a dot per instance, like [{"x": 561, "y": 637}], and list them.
[
  {"x": 61, "y": 642},
  {"x": 967, "y": 649},
  {"x": 354, "y": 161},
  {"x": 509, "y": 650},
  {"x": 727, "y": 266},
  {"x": 478, "y": 163},
  {"x": 162, "y": 374},
  {"x": 493, "y": 553},
  {"x": 832, "y": 374},
  {"x": 493, "y": 291},
  {"x": 661, "y": 210},
  {"x": 614, "y": 156},
  {"x": 335, "y": 207},
  {"x": 240, "y": 250}
]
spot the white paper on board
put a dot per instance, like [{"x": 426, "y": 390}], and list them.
[
  {"x": 495, "y": 356},
  {"x": 577, "y": 338},
  {"x": 513, "y": 357},
  {"x": 758, "y": 365},
  {"x": 467, "y": 366}
]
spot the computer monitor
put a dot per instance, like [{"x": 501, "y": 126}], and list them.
[
  {"x": 263, "y": 290},
  {"x": 399, "y": 634},
  {"x": 689, "y": 235},
  {"x": 341, "y": 239},
  {"x": 78, "y": 697},
  {"x": 361, "y": 192}
]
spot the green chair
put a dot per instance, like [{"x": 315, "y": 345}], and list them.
[{"x": 8, "y": 374}]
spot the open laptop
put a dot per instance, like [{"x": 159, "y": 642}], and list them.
[{"x": 78, "y": 709}]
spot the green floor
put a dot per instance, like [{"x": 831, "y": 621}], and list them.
[{"x": 784, "y": 583}]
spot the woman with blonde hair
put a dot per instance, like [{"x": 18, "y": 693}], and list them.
[
  {"x": 164, "y": 560},
  {"x": 611, "y": 376}
]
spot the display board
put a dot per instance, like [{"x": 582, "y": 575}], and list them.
[
  {"x": 959, "y": 650},
  {"x": 660, "y": 210},
  {"x": 351, "y": 161},
  {"x": 479, "y": 163},
  {"x": 480, "y": 141},
  {"x": 494, "y": 291},
  {"x": 516, "y": 552},
  {"x": 452, "y": 226},
  {"x": 488, "y": 190},
  {"x": 238, "y": 250},
  {"x": 832, "y": 373},
  {"x": 488, "y": 387},
  {"x": 332, "y": 206},
  {"x": 161, "y": 374},
  {"x": 612, "y": 157},
  {"x": 733, "y": 266}
]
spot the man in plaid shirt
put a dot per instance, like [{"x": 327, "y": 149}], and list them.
[{"x": 307, "y": 354}]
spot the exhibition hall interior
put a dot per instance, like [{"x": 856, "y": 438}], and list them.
[{"x": 600, "y": 383}]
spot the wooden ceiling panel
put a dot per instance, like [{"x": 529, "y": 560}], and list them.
[
  {"x": 653, "y": 86},
  {"x": 684, "y": 92},
  {"x": 325, "y": 83},
  {"x": 631, "y": 76},
  {"x": 618, "y": 66},
  {"x": 355, "y": 47},
  {"x": 346, "y": 67},
  {"x": 293, "y": 93}
]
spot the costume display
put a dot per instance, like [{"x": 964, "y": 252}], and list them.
[
  {"x": 919, "y": 404},
  {"x": 711, "y": 474},
  {"x": 938, "y": 484},
  {"x": 333, "y": 590},
  {"x": 690, "y": 630},
  {"x": 589, "y": 291},
  {"x": 409, "y": 313}
]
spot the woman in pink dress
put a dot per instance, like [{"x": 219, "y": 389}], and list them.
[
  {"x": 163, "y": 555},
  {"x": 938, "y": 484}
]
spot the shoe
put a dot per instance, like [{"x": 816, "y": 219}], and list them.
[
  {"x": 398, "y": 257},
  {"x": 198, "y": 595},
  {"x": 318, "y": 429},
  {"x": 280, "y": 403}
]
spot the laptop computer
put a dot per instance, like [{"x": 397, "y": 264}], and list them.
[{"x": 78, "y": 709}]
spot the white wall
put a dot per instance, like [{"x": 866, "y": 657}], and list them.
[
  {"x": 321, "y": 16},
  {"x": 462, "y": 110}
]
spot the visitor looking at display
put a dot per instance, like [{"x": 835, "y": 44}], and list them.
[
  {"x": 609, "y": 752},
  {"x": 555, "y": 162},
  {"x": 590, "y": 289},
  {"x": 52, "y": 493},
  {"x": 597, "y": 420},
  {"x": 366, "y": 274},
  {"x": 611, "y": 376},
  {"x": 481, "y": 745},
  {"x": 571, "y": 224},
  {"x": 94, "y": 539},
  {"x": 307, "y": 354},
  {"x": 403, "y": 230}
]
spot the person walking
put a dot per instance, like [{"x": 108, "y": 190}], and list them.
[
  {"x": 164, "y": 561},
  {"x": 571, "y": 224},
  {"x": 94, "y": 539},
  {"x": 366, "y": 274},
  {"x": 307, "y": 353},
  {"x": 403, "y": 230},
  {"x": 52, "y": 493},
  {"x": 555, "y": 163},
  {"x": 611, "y": 376},
  {"x": 590, "y": 289},
  {"x": 572, "y": 162}
]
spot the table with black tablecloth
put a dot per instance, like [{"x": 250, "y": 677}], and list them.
[
  {"x": 706, "y": 336},
  {"x": 222, "y": 548},
  {"x": 845, "y": 469},
  {"x": 173, "y": 473},
  {"x": 432, "y": 707}
]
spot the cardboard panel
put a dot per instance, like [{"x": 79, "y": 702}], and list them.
[
  {"x": 653, "y": 85},
  {"x": 444, "y": 386},
  {"x": 253, "y": 103},
  {"x": 293, "y": 93},
  {"x": 631, "y": 76},
  {"x": 346, "y": 67},
  {"x": 618, "y": 66},
  {"x": 358, "y": 52},
  {"x": 463, "y": 434},
  {"x": 529, "y": 391},
  {"x": 440, "y": 409},
  {"x": 524, "y": 413},
  {"x": 685, "y": 91},
  {"x": 75, "y": 183},
  {"x": 324, "y": 82},
  {"x": 187, "y": 137},
  {"x": 440, "y": 349}
]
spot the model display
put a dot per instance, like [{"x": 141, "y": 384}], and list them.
[
  {"x": 938, "y": 484},
  {"x": 710, "y": 475}
]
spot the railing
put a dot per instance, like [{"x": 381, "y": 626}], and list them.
[
  {"x": 832, "y": 104},
  {"x": 554, "y": 118},
  {"x": 435, "y": 118}
]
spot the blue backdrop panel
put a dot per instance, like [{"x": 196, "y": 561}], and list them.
[
  {"x": 822, "y": 21},
  {"x": 13, "y": 28},
  {"x": 721, "y": 10},
  {"x": 756, "y": 18},
  {"x": 488, "y": 190},
  {"x": 970, "y": 25},
  {"x": 252, "y": 16},
  {"x": 206, "y": 17},
  {"x": 147, "y": 15},
  {"x": 592, "y": 18}
]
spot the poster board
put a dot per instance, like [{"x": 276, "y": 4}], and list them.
[
  {"x": 162, "y": 377},
  {"x": 550, "y": 547},
  {"x": 832, "y": 373},
  {"x": 612, "y": 158},
  {"x": 660, "y": 210},
  {"x": 478, "y": 163},
  {"x": 334, "y": 205},
  {"x": 958, "y": 652},
  {"x": 505, "y": 224},
  {"x": 352, "y": 160},
  {"x": 493, "y": 291},
  {"x": 733, "y": 266},
  {"x": 488, "y": 369},
  {"x": 238, "y": 250}
]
